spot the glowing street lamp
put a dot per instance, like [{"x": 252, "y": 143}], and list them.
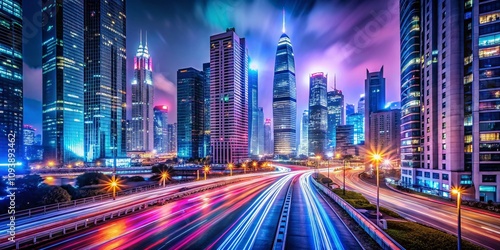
[
  {"x": 50, "y": 163},
  {"x": 230, "y": 166},
  {"x": 244, "y": 165},
  {"x": 164, "y": 177},
  {"x": 114, "y": 184},
  {"x": 318, "y": 157},
  {"x": 377, "y": 158},
  {"x": 458, "y": 191},
  {"x": 206, "y": 169},
  {"x": 98, "y": 163},
  {"x": 255, "y": 165}
]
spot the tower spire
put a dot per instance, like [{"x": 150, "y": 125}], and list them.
[
  {"x": 146, "y": 38},
  {"x": 140, "y": 38},
  {"x": 283, "y": 29},
  {"x": 335, "y": 81}
]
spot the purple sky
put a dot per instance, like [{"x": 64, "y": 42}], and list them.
[{"x": 337, "y": 37}]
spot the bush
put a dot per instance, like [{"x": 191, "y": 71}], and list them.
[
  {"x": 136, "y": 179},
  {"x": 89, "y": 179},
  {"x": 72, "y": 191},
  {"x": 53, "y": 194},
  {"x": 416, "y": 236}
]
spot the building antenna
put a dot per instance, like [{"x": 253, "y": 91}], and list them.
[
  {"x": 335, "y": 81},
  {"x": 140, "y": 37},
  {"x": 146, "y": 38},
  {"x": 283, "y": 29}
]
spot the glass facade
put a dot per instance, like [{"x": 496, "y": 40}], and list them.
[
  {"x": 142, "y": 101},
  {"x": 62, "y": 78},
  {"x": 260, "y": 131},
  {"x": 268, "y": 137},
  {"x": 253, "y": 112},
  {"x": 318, "y": 118},
  {"x": 335, "y": 101},
  {"x": 161, "y": 129},
  {"x": 11, "y": 81},
  {"x": 304, "y": 134},
  {"x": 190, "y": 103},
  {"x": 105, "y": 79},
  {"x": 410, "y": 88},
  {"x": 357, "y": 121},
  {"x": 206, "y": 110},
  {"x": 349, "y": 109},
  {"x": 284, "y": 99},
  {"x": 374, "y": 98}
]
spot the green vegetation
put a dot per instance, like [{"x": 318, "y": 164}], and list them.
[
  {"x": 90, "y": 179},
  {"x": 416, "y": 236},
  {"x": 358, "y": 201}
]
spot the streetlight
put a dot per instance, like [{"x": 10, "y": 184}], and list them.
[
  {"x": 230, "y": 166},
  {"x": 377, "y": 158},
  {"x": 458, "y": 191},
  {"x": 206, "y": 169},
  {"x": 318, "y": 157},
  {"x": 113, "y": 185},
  {"x": 164, "y": 177},
  {"x": 50, "y": 163},
  {"x": 244, "y": 165},
  {"x": 255, "y": 165}
]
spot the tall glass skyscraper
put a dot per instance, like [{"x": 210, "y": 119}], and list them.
[
  {"x": 206, "y": 110},
  {"x": 318, "y": 113},
  {"x": 374, "y": 97},
  {"x": 161, "y": 128},
  {"x": 284, "y": 99},
  {"x": 105, "y": 79},
  {"x": 190, "y": 106},
  {"x": 260, "y": 131},
  {"x": 335, "y": 103},
  {"x": 253, "y": 112},
  {"x": 11, "y": 80},
  {"x": 268, "y": 137},
  {"x": 142, "y": 100},
  {"x": 304, "y": 134},
  {"x": 357, "y": 121},
  {"x": 62, "y": 77},
  {"x": 410, "y": 85},
  {"x": 229, "y": 98}
]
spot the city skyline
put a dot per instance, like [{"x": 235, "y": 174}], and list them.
[{"x": 261, "y": 42}]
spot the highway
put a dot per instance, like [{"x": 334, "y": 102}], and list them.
[
  {"x": 478, "y": 227},
  {"x": 242, "y": 215}
]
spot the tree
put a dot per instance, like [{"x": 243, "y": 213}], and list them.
[
  {"x": 29, "y": 183},
  {"x": 53, "y": 194},
  {"x": 72, "y": 191},
  {"x": 88, "y": 179}
]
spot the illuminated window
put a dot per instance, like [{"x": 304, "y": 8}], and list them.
[
  {"x": 488, "y": 52},
  {"x": 489, "y": 137},
  {"x": 489, "y": 18}
]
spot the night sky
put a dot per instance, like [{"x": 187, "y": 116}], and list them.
[{"x": 337, "y": 37}]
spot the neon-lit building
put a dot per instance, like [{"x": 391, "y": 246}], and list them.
[
  {"x": 142, "y": 123},
  {"x": 161, "y": 129},
  {"x": 318, "y": 114},
  {"x": 335, "y": 104},
  {"x": 253, "y": 112},
  {"x": 62, "y": 80}
]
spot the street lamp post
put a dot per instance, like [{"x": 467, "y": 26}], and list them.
[
  {"x": 114, "y": 184},
  {"x": 244, "y": 168},
  {"x": 377, "y": 158},
  {"x": 254, "y": 165},
  {"x": 164, "y": 177},
  {"x": 230, "y": 165},
  {"x": 207, "y": 168},
  {"x": 458, "y": 191}
]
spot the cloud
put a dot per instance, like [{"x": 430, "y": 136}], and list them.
[
  {"x": 166, "y": 94},
  {"x": 32, "y": 82}
]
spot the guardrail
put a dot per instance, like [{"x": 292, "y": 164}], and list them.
[
  {"x": 75, "y": 203},
  {"x": 33, "y": 239},
  {"x": 382, "y": 238},
  {"x": 280, "y": 238}
]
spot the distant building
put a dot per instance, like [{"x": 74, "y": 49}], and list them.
[
  {"x": 172, "y": 138},
  {"x": 385, "y": 131},
  {"x": 349, "y": 109},
  {"x": 260, "y": 131},
  {"x": 375, "y": 100},
  {"x": 142, "y": 122},
  {"x": 11, "y": 79},
  {"x": 361, "y": 105},
  {"x": 63, "y": 81},
  {"x": 318, "y": 114},
  {"x": 105, "y": 78},
  {"x": 161, "y": 129},
  {"x": 357, "y": 121},
  {"x": 190, "y": 106},
  {"x": 304, "y": 134},
  {"x": 335, "y": 104},
  {"x": 253, "y": 111},
  {"x": 206, "y": 110},
  {"x": 345, "y": 140},
  {"x": 32, "y": 150},
  {"x": 268, "y": 138}
]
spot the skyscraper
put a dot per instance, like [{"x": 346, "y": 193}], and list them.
[
  {"x": 318, "y": 114},
  {"x": 268, "y": 138},
  {"x": 172, "y": 138},
  {"x": 344, "y": 139},
  {"x": 206, "y": 110},
  {"x": 253, "y": 111},
  {"x": 284, "y": 98},
  {"x": 357, "y": 121},
  {"x": 190, "y": 106},
  {"x": 62, "y": 78},
  {"x": 11, "y": 79},
  {"x": 260, "y": 131},
  {"x": 335, "y": 105},
  {"x": 375, "y": 99},
  {"x": 28, "y": 140},
  {"x": 105, "y": 79},
  {"x": 385, "y": 131},
  {"x": 349, "y": 109},
  {"x": 304, "y": 134},
  {"x": 229, "y": 98},
  {"x": 458, "y": 85},
  {"x": 161, "y": 129},
  {"x": 361, "y": 104},
  {"x": 142, "y": 100}
]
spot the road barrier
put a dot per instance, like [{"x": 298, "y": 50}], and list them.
[
  {"x": 30, "y": 240},
  {"x": 280, "y": 238},
  {"x": 382, "y": 238}
]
